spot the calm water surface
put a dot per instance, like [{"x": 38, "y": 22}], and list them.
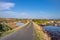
[
  {"x": 54, "y": 32},
  {"x": 53, "y": 29},
  {"x": 19, "y": 24}
]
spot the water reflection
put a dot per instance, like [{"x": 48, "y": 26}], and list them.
[
  {"x": 53, "y": 31},
  {"x": 19, "y": 24}
]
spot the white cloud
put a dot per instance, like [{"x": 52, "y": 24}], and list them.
[
  {"x": 11, "y": 14},
  {"x": 6, "y": 5},
  {"x": 24, "y": 14}
]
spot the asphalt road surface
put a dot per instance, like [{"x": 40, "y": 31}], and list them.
[{"x": 25, "y": 33}]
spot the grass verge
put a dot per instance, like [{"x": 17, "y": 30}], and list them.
[
  {"x": 14, "y": 30},
  {"x": 39, "y": 34}
]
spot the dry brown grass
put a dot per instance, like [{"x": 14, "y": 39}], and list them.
[{"x": 39, "y": 34}]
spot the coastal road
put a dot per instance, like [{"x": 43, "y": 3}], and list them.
[{"x": 25, "y": 33}]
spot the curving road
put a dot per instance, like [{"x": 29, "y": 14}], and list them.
[{"x": 25, "y": 33}]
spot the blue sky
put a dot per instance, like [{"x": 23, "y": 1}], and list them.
[{"x": 41, "y": 9}]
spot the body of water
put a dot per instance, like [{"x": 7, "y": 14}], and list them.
[
  {"x": 19, "y": 24},
  {"x": 53, "y": 31}
]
